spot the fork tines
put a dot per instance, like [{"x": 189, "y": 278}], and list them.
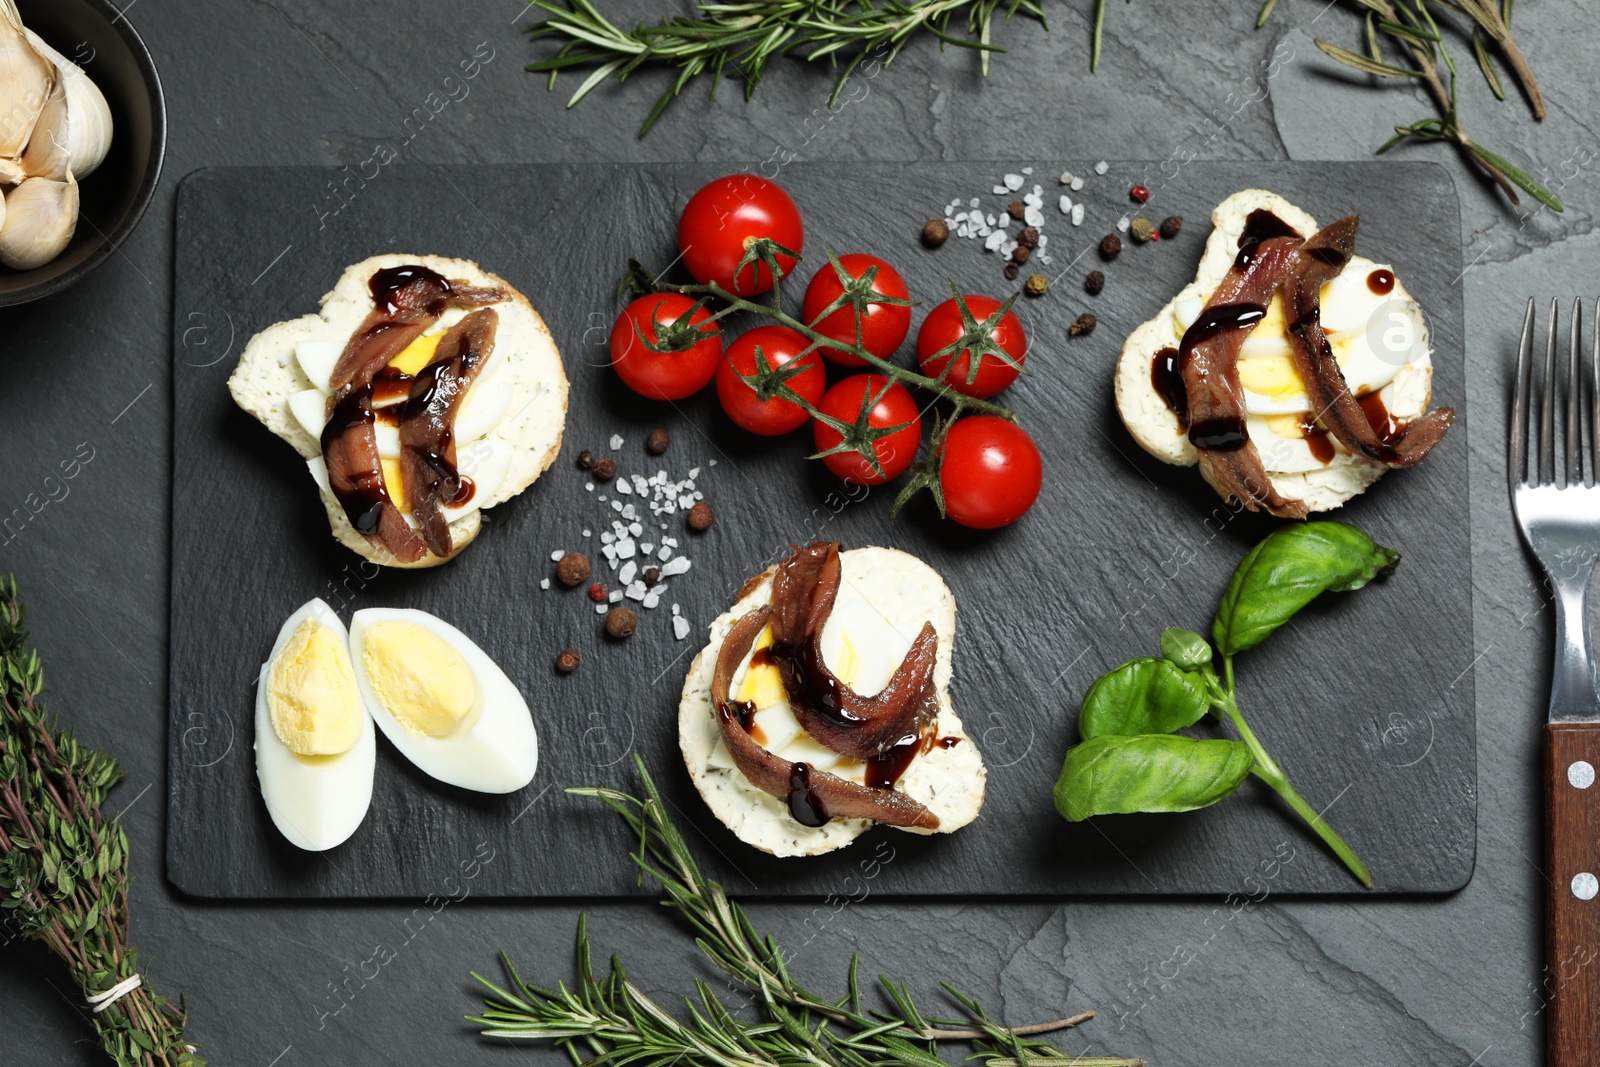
[{"x": 1535, "y": 431}]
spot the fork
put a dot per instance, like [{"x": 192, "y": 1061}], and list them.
[{"x": 1558, "y": 509}]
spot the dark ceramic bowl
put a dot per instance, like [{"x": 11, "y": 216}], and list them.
[{"x": 94, "y": 34}]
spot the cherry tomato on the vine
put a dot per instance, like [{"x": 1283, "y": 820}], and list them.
[
  {"x": 665, "y": 320},
  {"x": 990, "y": 472},
  {"x": 888, "y": 405},
  {"x": 774, "y": 415},
  {"x": 883, "y": 326},
  {"x": 724, "y": 218},
  {"x": 944, "y": 328}
]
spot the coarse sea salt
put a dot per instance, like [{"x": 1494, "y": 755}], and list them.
[
  {"x": 680, "y": 625},
  {"x": 555, "y": 557},
  {"x": 544, "y": 583},
  {"x": 1101, "y": 167},
  {"x": 1077, "y": 183},
  {"x": 1033, "y": 216},
  {"x": 616, "y": 441},
  {"x": 629, "y": 569},
  {"x": 1066, "y": 204},
  {"x": 1077, "y": 214},
  {"x": 1013, "y": 182}
]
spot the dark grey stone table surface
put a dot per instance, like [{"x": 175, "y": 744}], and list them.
[{"x": 1434, "y": 981}]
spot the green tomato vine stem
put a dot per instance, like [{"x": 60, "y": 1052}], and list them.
[
  {"x": 769, "y": 381},
  {"x": 1223, "y": 699}
]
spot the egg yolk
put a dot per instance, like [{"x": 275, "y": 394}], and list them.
[
  {"x": 412, "y": 358},
  {"x": 311, "y": 693},
  {"x": 416, "y": 355},
  {"x": 419, "y": 678},
  {"x": 763, "y": 685}
]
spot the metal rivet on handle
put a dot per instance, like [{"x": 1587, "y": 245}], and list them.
[
  {"x": 1581, "y": 775},
  {"x": 1585, "y": 886}
]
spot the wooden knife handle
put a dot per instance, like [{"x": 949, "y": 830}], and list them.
[{"x": 1572, "y": 921}]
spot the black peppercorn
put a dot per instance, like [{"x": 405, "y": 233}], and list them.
[
  {"x": 1171, "y": 226},
  {"x": 1085, "y": 324},
  {"x": 1028, "y": 238},
  {"x": 652, "y": 575},
  {"x": 1094, "y": 282},
  {"x": 1021, "y": 253},
  {"x": 658, "y": 442},
  {"x": 1016, "y": 209},
  {"x": 567, "y": 661},
  {"x": 605, "y": 469},
  {"x": 935, "y": 232},
  {"x": 1110, "y": 246},
  {"x": 1012, "y": 270},
  {"x": 585, "y": 460}
]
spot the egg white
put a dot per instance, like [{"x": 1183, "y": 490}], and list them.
[
  {"x": 495, "y": 750},
  {"x": 316, "y": 802},
  {"x": 884, "y": 598}
]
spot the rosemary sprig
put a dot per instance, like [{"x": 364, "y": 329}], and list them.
[
  {"x": 64, "y": 866},
  {"x": 610, "y": 1021},
  {"x": 740, "y": 37},
  {"x": 977, "y": 339},
  {"x": 1417, "y": 34}
]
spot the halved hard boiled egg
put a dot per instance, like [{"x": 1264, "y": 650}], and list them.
[
  {"x": 442, "y": 701},
  {"x": 315, "y": 746}
]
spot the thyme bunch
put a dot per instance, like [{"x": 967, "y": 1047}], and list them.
[
  {"x": 858, "y": 436},
  {"x": 64, "y": 866},
  {"x": 608, "y": 1020},
  {"x": 740, "y": 37}
]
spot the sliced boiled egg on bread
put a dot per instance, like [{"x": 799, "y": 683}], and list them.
[
  {"x": 507, "y": 429},
  {"x": 884, "y": 598},
  {"x": 1379, "y": 338}
]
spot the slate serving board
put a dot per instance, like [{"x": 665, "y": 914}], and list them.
[{"x": 1366, "y": 699}]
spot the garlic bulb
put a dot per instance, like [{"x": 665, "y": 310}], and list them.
[
  {"x": 40, "y": 217},
  {"x": 55, "y": 127}
]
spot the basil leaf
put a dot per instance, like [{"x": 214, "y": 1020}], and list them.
[
  {"x": 1156, "y": 772},
  {"x": 1143, "y": 696},
  {"x": 1287, "y": 571},
  {"x": 1185, "y": 648}
]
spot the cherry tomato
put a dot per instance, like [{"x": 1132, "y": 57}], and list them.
[
  {"x": 991, "y": 473},
  {"x": 883, "y": 326},
  {"x": 665, "y": 375},
  {"x": 943, "y": 328},
  {"x": 722, "y": 220},
  {"x": 892, "y": 406},
  {"x": 781, "y": 346}
]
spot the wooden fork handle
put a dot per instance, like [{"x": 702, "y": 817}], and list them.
[{"x": 1572, "y": 920}]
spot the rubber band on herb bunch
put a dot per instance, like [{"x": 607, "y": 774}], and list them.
[{"x": 977, "y": 338}]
